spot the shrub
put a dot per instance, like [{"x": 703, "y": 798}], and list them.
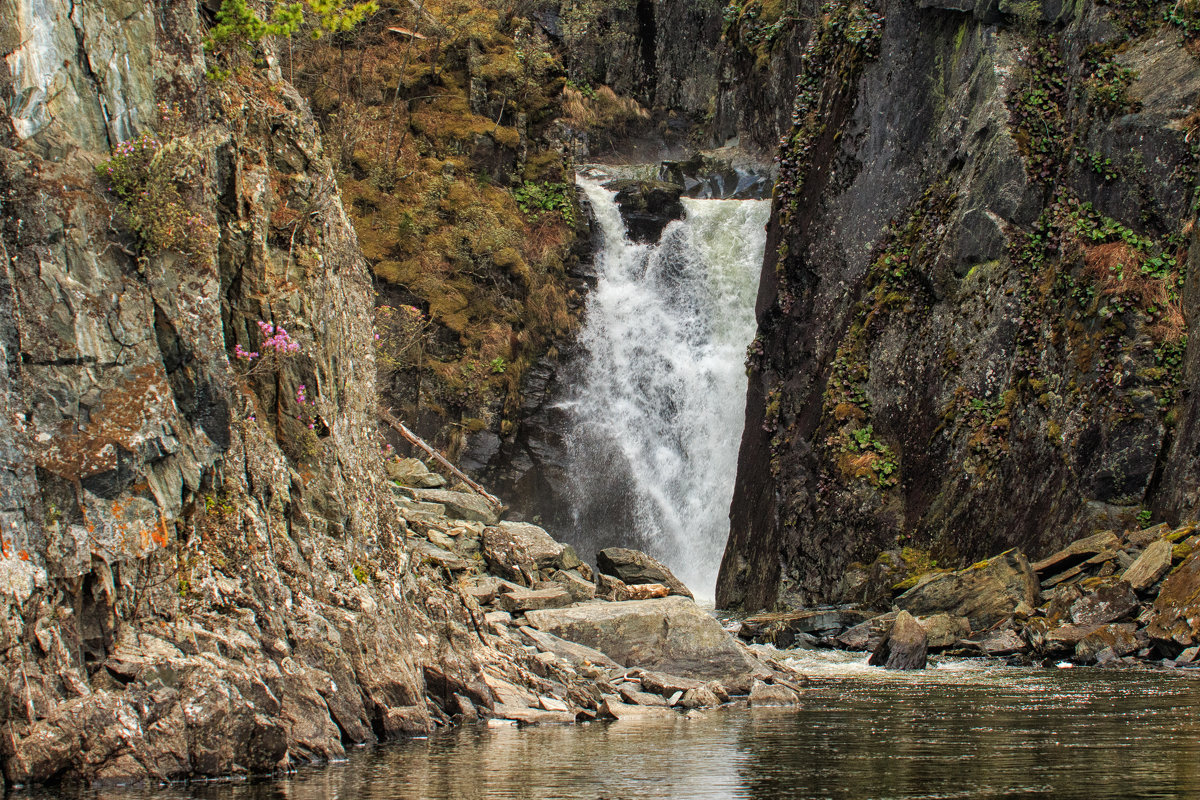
[{"x": 147, "y": 178}]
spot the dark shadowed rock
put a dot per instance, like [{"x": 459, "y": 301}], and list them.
[
  {"x": 1076, "y": 554},
  {"x": 647, "y": 206},
  {"x": 1120, "y": 639},
  {"x": 985, "y": 594},
  {"x": 634, "y": 567},
  {"x": 904, "y": 646}
]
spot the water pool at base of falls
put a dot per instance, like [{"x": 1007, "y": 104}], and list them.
[{"x": 965, "y": 729}]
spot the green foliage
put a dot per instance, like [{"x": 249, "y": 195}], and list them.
[
  {"x": 537, "y": 198},
  {"x": 1185, "y": 15},
  {"x": 238, "y": 23},
  {"x": 498, "y": 366},
  {"x": 360, "y": 574},
  {"x": 147, "y": 178},
  {"x": 1143, "y": 518}
]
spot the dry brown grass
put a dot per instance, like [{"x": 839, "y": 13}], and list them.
[{"x": 1116, "y": 270}]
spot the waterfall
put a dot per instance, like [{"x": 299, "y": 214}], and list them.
[{"x": 657, "y": 410}]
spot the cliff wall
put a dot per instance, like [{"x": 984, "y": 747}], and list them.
[
  {"x": 980, "y": 276},
  {"x": 202, "y": 572}
]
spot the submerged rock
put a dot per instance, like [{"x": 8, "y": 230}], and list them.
[
  {"x": 904, "y": 646},
  {"x": 769, "y": 694}
]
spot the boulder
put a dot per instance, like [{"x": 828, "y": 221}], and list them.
[
  {"x": 647, "y": 207},
  {"x": 610, "y": 588},
  {"x": 944, "y": 630},
  {"x": 1076, "y": 553},
  {"x": 646, "y": 591},
  {"x": 671, "y": 634},
  {"x": 667, "y": 685},
  {"x": 532, "y": 716},
  {"x": 781, "y": 628},
  {"x": 867, "y": 635},
  {"x": 1065, "y": 637},
  {"x": 430, "y": 552},
  {"x": 615, "y": 709},
  {"x": 412, "y": 472},
  {"x": 904, "y": 646},
  {"x": 1121, "y": 639},
  {"x": 633, "y": 567},
  {"x": 770, "y": 694},
  {"x": 518, "y": 550},
  {"x": 987, "y": 593},
  {"x": 1175, "y": 614},
  {"x": 1000, "y": 643},
  {"x": 461, "y": 505},
  {"x": 700, "y": 697},
  {"x": 577, "y": 654},
  {"x": 631, "y": 694},
  {"x": 580, "y": 590},
  {"x": 518, "y": 601},
  {"x": 1111, "y": 601},
  {"x": 1151, "y": 565}
]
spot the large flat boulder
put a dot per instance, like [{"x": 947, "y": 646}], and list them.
[
  {"x": 986, "y": 593},
  {"x": 634, "y": 567},
  {"x": 671, "y": 635}
]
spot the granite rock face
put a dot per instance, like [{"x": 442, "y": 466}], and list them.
[{"x": 944, "y": 356}]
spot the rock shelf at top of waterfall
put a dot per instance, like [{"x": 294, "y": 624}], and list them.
[{"x": 656, "y": 406}]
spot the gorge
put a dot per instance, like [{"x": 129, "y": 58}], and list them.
[{"x": 950, "y": 383}]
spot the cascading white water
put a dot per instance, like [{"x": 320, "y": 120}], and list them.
[{"x": 657, "y": 413}]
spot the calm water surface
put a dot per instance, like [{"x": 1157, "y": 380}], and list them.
[{"x": 965, "y": 729}]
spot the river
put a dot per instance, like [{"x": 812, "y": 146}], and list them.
[{"x": 965, "y": 729}]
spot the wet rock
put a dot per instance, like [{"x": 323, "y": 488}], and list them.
[
  {"x": 412, "y": 472},
  {"x": 647, "y": 207},
  {"x": 944, "y": 630},
  {"x": 782, "y": 628},
  {"x": 699, "y": 697},
  {"x": 1065, "y": 637},
  {"x": 1112, "y": 601},
  {"x": 667, "y": 685},
  {"x": 461, "y": 505},
  {"x": 635, "y": 567},
  {"x": 1151, "y": 565},
  {"x": 614, "y": 709},
  {"x": 767, "y": 694},
  {"x": 1000, "y": 643},
  {"x": 904, "y": 646},
  {"x": 1120, "y": 639},
  {"x": 517, "y": 601},
  {"x": 985, "y": 594},
  {"x": 533, "y": 716},
  {"x": 630, "y": 694},
  {"x": 867, "y": 635},
  {"x": 671, "y": 634}
]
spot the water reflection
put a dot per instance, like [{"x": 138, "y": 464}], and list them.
[{"x": 960, "y": 731}]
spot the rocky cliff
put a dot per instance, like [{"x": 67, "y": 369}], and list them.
[
  {"x": 204, "y": 567},
  {"x": 981, "y": 271}
]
